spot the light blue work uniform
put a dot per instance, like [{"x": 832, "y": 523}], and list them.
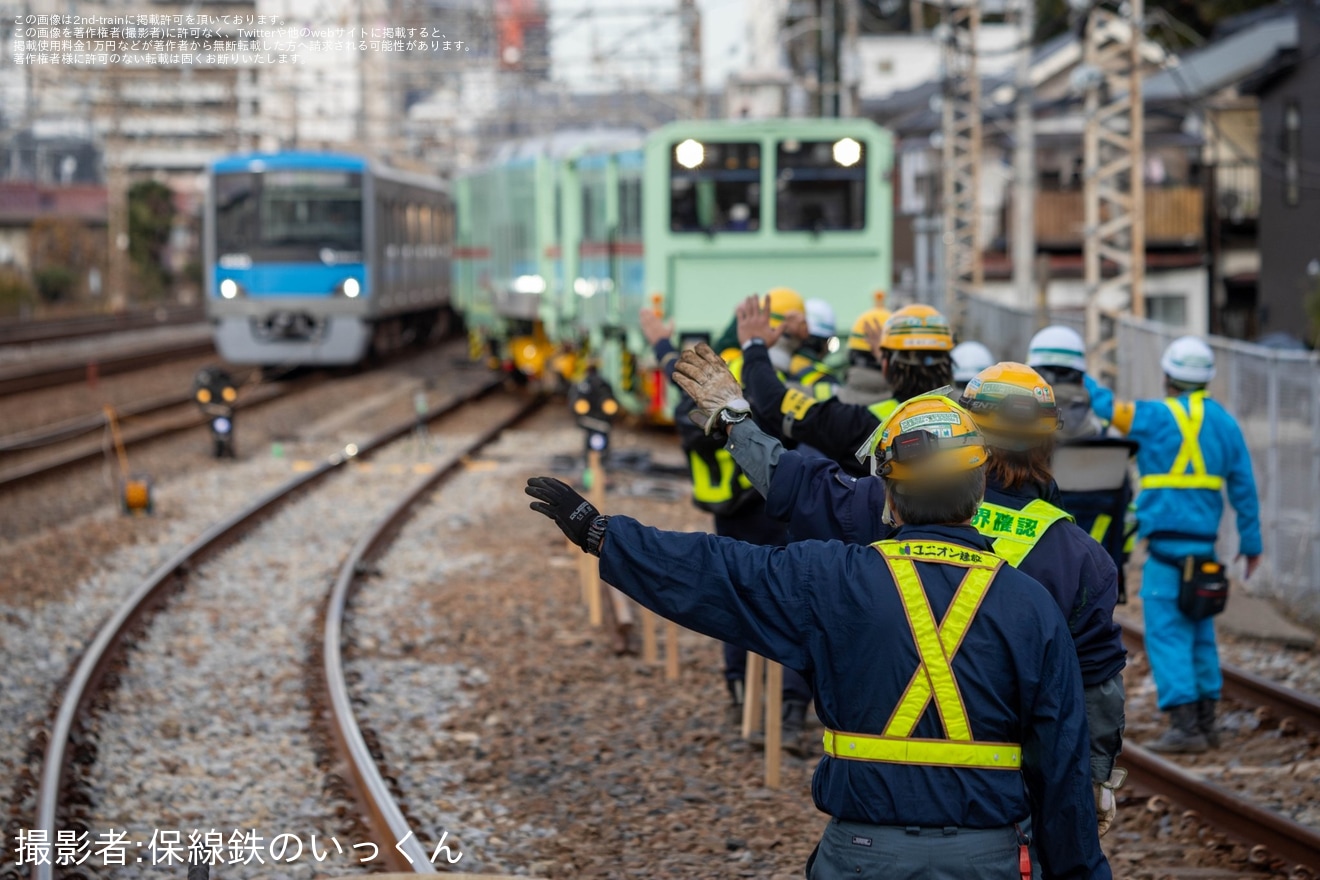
[{"x": 1186, "y": 459}]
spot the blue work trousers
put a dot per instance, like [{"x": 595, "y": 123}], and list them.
[{"x": 1182, "y": 652}]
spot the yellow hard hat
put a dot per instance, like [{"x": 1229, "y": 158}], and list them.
[
  {"x": 857, "y": 339},
  {"x": 926, "y": 436},
  {"x": 1011, "y": 400},
  {"x": 782, "y": 301},
  {"x": 917, "y": 328}
]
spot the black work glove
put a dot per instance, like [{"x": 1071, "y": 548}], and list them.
[{"x": 575, "y": 515}]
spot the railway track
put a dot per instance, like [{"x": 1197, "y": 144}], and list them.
[
  {"x": 163, "y": 424},
  {"x": 55, "y": 329},
  {"x": 39, "y": 374},
  {"x": 379, "y": 797},
  {"x": 72, "y": 738},
  {"x": 1275, "y": 840}
]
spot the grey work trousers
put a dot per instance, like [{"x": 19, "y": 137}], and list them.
[{"x": 884, "y": 852}]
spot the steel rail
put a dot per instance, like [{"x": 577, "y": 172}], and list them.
[
  {"x": 401, "y": 847},
  {"x": 66, "y": 371},
  {"x": 76, "y": 426},
  {"x": 98, "y": 657},
  {"x": 1251, "y": 688},
  {"x": 53, "y": 329},
  {"x": 1237, "y": 817},
  {"x": 51, "y": 464}
]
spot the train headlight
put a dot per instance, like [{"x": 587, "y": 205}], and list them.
[
  {"x": 690, "y": 153},
  {"x": 847, "y": 152},
  {"x": 229, "y": 288},
  {"x": 529, "y": 284},
  {"x": 351, "y": 287}
]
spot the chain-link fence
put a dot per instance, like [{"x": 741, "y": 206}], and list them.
[{"x": 1275, "y": 396}]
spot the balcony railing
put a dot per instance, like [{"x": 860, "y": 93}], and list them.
[{"x": 1174, "y": 218}]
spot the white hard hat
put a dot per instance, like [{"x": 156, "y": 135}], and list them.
[
  {"x": 820, "y": 318},
  {"x": 969, "y": 358},
  {"x": 1189, "y": 360},
  {"x": 1057, "y": 346}
]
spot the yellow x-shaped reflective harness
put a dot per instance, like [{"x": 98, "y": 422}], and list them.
[
  {"x": 1189, "y": 453},
  {"x": 933, "y": 678}
]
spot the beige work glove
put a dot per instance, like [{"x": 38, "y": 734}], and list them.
[
  {"x": 704, "y": 376},
  {"x": 1106, "y": 803}
]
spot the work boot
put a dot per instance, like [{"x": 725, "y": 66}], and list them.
[
  {"x": 734, "y": 714},
  {"x": 795, "y": 728},
  {"x": 1205, "y": 721},
  {"x": 1184, "y": 735}
]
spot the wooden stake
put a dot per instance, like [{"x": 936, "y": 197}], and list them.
[
  {"x": 591, "y": 586},
  {"x": 753, "y": 693},
  {"x": 650, "y": 645},
  {"x": 671, "y": 650},
  {"x": 774, "y": 705}
]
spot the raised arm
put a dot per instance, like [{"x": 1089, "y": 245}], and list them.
[{"x": 753, "y": 596}]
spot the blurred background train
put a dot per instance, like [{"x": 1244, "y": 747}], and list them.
[{"x": 550, "y": 253}]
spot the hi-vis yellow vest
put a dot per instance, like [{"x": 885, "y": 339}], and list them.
[
  {"x": 883, "y": 409},
  {"x": 713, "y": 478},
  {"x": 1016, "y": 532},
  {"x": 1188, "y": 470},
  {"x": 933, "y": 678}
]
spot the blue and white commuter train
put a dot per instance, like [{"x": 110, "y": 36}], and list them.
[{"x": 319, "y": 258}]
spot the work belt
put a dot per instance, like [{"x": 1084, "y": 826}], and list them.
[
  {"x": 1188, "y": 470},
  {"x": 933, "y": 678}
]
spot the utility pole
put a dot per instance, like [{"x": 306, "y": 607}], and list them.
[
  {"x": 1024, "y": 162},
  {"x": 963, "y": 268},
  {"x": 689, "y": 17},
  {"x": 849, "y": 63},
  {"x": 1114, "y": 159}
]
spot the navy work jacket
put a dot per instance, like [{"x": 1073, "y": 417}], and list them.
[
  {"x": 833, "y": 611},
  {"x": 818, "y": 500}
]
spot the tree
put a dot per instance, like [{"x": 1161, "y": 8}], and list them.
[
  {"x": 150, "y": 218},
  {"x": 62, "y": 250}
]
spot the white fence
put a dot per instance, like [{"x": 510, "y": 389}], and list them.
[{"x": 1275, "y": 396}]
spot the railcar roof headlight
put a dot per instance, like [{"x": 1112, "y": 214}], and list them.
[
  {"x": 690, "y": 153},
  {"x": 530, "y": 284},
  {"x": 351, "y": 287},
  {"x": 847, "y": 152},
  {"x": 229, "y": 288}
]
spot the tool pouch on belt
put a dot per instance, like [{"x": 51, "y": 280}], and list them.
[{"x": 1203, "y": 588}]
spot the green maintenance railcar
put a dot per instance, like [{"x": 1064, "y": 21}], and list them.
[{"x": 702, "y": 215}]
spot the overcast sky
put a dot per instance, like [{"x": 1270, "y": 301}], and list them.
[{"x": 638, "y": 41}]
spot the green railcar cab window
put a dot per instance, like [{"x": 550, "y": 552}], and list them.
[
  {"x": 820, "y": 186},
  {"x": 714, "y": 186}
]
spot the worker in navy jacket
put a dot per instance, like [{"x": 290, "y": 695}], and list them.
[
  {"x": 1020, "y": 514},
  {"x": 945, "y": 678}
]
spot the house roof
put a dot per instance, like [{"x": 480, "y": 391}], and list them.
[
  {"x": 22, "y": 201},
  {"x": 1225, "y": 62}
]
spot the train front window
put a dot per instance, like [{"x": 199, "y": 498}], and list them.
[
  {"x": 820, "y": 185},
  {"x": 714, "y": 187},
  {"x": 288, "y": 215}
]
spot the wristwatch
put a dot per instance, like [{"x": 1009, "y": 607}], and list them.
[{"x": 755, "y": 340}]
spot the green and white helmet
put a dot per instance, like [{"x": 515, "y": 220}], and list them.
[
  {"x": 1059, "y": 347},
  {"x": 1189, "y": 361}
]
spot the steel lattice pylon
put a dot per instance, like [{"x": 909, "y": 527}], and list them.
[
  {"x": 1115, "y": 198},
  {"x": 961, "y": 160},
  {"x": 963, "y": 273}
]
